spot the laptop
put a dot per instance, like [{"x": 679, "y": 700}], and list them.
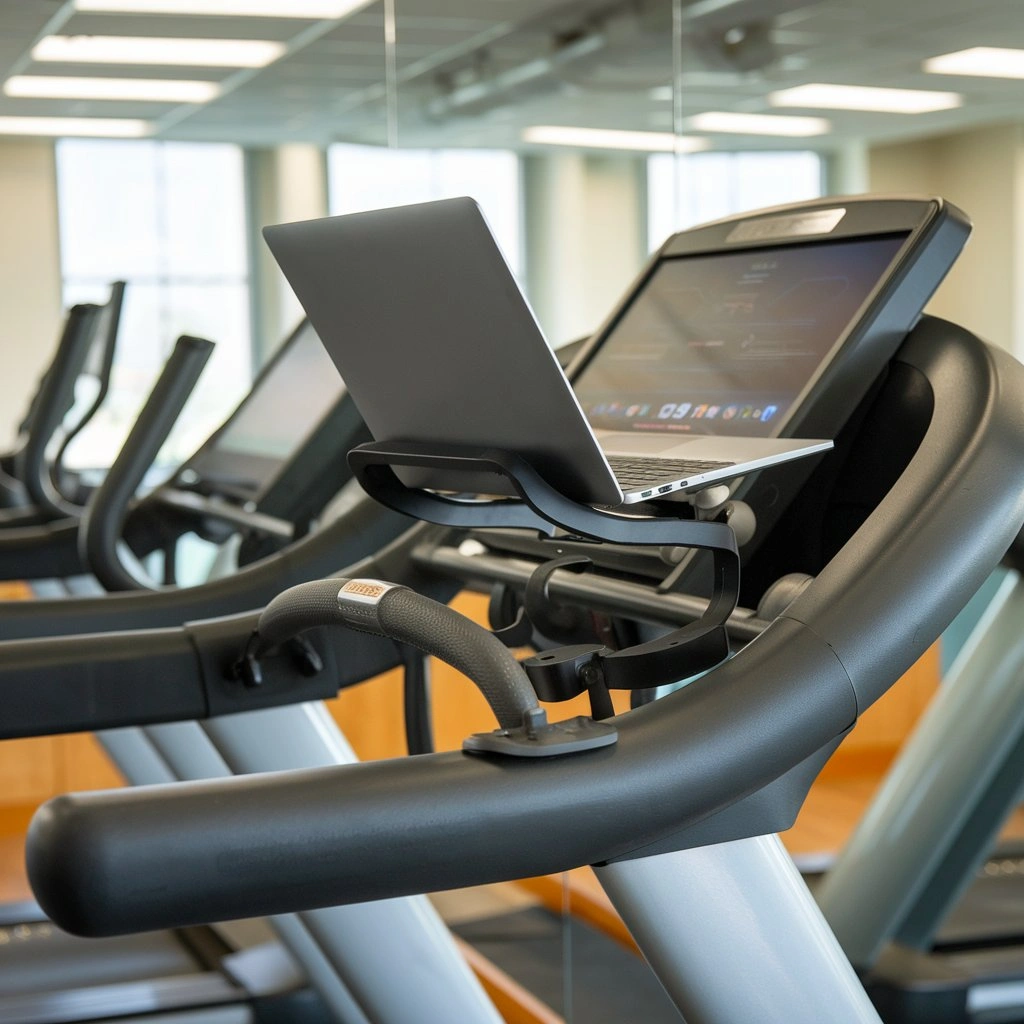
[{"x": 425, "y": 321}]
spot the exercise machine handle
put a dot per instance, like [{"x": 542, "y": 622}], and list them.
[
  {"x": 108, "y": 508},
  {"x": 396, "y": 612},
  {"x": 56, "y": 395},
  {"x": 99, "y": 362}
]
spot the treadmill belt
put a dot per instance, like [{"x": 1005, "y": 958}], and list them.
[
  {"x": 992, "y": 910},
  {"x": 609, "y": 984},
  {"x": 37, "y": 956}
]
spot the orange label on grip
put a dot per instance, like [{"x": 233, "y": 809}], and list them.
[
  {"x": 365, "y": 588},
  {"x": 358, "y": 600}
]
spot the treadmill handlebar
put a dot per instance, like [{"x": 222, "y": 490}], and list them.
[
  {"x": 55, "y": 397},
  {"x": 46, "y": 551},
  {"x": 396, "y": 612},
  {"x": 107, "y": 510},
  {"x": 364, "y": 527},
  {"x": 263, "y": 844},
  {"x": 267, "y": 844}
]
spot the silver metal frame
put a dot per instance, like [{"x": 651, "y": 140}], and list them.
[
  {"x": 944, "y": 800},
  {"x": 734, "y": 935},
  {"x": 380, "y": 963}
]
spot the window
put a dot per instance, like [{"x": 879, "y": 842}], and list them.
[
  {"x": 371, "y": 177},
  {"x": 168, "y": 218},
  {"x": 690, "y": 189}
]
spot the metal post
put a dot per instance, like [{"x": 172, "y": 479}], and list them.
[
  {"x": 926, "y": 814},
  {"x": 395, "y": 956},
  {"x": 167, "y": 753},
  {"x": 135, "y": 757},
  {"x": 733, "y": 934}
]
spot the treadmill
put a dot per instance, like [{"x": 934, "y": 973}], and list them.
[
  {"x": 53, "y": 549},
  {"x": 268, "y": 503},
  {"x": 238, "y": 971},
  {"x": 265, "y": 475},
  {"x": 36, "y": 485},
  {"x": 679, "y": 809},
  {"x": 764, "y": 721}
]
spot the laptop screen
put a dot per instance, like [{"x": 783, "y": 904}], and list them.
[{"x": 723, "y": 343}]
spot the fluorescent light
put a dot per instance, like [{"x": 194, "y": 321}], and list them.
[
  {"x": 863, "y": 97},
  {"x": 156, "y": 90},
  {"x": 608, "y": 138},
  {"x": 315, "y": 9},
  {"x": 984, "y": 61},
  {"x": 114, "y": 127},
  {"x": 218, "y": 53},
  {"x": 661, "y": 93},
  {"x": 759, "y": 124}
]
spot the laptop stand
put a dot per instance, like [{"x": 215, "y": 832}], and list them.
[{"x": 565, "y": 672}]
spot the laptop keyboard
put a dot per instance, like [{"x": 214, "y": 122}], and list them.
[{"x": 633, "y": 473}]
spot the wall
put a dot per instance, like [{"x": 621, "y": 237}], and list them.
[
  {"x": 30, "y": 286},
  {"x": 982, "y": 171}
]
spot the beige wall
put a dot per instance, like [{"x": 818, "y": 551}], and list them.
[
  {"x": 982, "y": 171},
  {"x": 285, "y": 184},
  {"x": 585, "y": 220},
  {"x": 30, "y": 287}
]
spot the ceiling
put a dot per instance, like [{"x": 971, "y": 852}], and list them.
[{"x": 477, "y": 72}]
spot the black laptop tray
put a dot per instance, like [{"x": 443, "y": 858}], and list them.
[{"x": 559, "y": 675}]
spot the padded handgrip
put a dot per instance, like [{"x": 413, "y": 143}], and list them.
[
  {"x": 403, "y": 615},
  {"x": 108, "y": 508}
]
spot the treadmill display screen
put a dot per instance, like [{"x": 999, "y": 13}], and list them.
[
  {"x": 724, "y": 343},
  {"x": 297, "y": 393}
]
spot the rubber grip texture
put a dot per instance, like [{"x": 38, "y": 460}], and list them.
[
  {"x": 436, "y": 629},
  {"x": 298, "y": 608},
  {"x": 411, "y": 618}
]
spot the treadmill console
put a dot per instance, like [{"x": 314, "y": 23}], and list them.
[
  {"x": 277, "y": 460},
  {"x": 293, "y": 394},
  {"x": 775, "y": 323}
]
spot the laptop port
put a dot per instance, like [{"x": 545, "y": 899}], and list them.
[
  {"x": 665, "y": 489},
  {"x": 646, "y": 494}
]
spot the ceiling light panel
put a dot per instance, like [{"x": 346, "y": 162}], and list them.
[
  {"x": 759, "y": 124},
  {"x": 984, "y": 61},
  {"x": 153, "y": 90},
  {"x": 305, "y": 9},
  {"x": 216, "y": 53},
  {"x": 608, "y": 138},
  {"x": 859, "y": 97},
  {"x": 107, "y": 127}
]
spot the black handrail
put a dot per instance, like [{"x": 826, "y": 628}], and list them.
[{"x": 105, "y": 515}]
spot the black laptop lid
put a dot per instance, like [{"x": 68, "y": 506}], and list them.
[{"x": 436, "y": 343}]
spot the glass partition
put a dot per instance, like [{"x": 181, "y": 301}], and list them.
[{"x": 547, "y": 115}]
